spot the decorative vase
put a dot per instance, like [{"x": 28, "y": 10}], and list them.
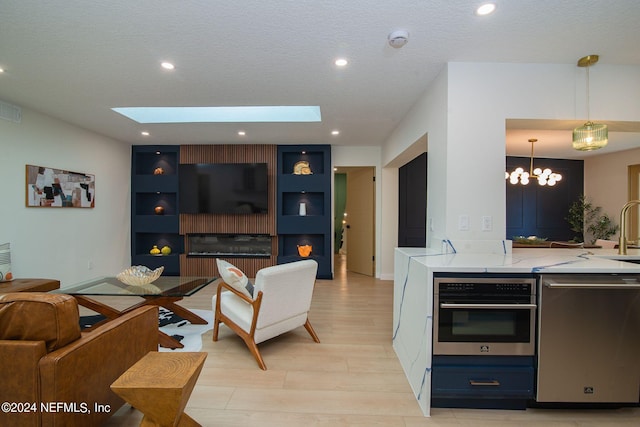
[
  {"x": 158, "y": 171},
  {"x": 303, "y": 209},
  {"x": 154, "y": 250},
  {"x": 159, "y": 210},
  {"x": 302, "y": 168},
  {"x": 304, "y": 250}
]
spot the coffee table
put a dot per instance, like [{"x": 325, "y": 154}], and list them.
[{"x": 163, "y": 292}]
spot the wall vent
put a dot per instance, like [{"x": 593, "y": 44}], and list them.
[{"x": 10, "y": 112}]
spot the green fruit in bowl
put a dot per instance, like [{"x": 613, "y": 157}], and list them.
[{"x": 166, "y": 250}]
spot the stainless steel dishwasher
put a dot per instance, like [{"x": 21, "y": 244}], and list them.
[{"x": 589, "y": 338}]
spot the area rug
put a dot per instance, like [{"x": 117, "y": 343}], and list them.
[{"x": 188, "y": 334}]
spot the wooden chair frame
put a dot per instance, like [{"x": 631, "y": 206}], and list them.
[{"x": 248, "y": 338}]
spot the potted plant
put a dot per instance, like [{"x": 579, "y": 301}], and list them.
[{"x": 582, "y": 213}]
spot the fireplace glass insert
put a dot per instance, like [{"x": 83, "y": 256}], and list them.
[{"x": 229, "y": 245}]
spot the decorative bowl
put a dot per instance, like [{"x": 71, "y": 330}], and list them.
[{"x": 138, "y": 275}]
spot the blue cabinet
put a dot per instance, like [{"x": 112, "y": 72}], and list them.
[
  {"x": 154, "y": 206},
  {"x": 313, "y": 190},
  {"x": 500, "y": 382}
]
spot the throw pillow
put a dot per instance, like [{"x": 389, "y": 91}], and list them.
[
  {"x": 5, "y": 263},
  {"x": 235, "y": 278}
]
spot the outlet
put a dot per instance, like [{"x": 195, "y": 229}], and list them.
[
  {"x": 90, "y": 265},
  {"x": 487, "y": 223},
  {"x": 463, "y": 223}
]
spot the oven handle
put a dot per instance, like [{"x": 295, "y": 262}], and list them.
[
  {"x": 490, "y": 306},
  {"x": 590, "y": 286}
]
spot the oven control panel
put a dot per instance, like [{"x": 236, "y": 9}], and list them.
[{"x": 485, "y": 286}]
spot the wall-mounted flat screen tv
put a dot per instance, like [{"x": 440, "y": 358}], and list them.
[{"x": 223, "y": 188}]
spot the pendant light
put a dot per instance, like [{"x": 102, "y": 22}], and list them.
[
  {"x": 590, "y": 136},
  {"x": 544, "y": 177}
]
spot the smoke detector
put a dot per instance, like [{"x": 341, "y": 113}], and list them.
[{"x": 398, "y": 38}]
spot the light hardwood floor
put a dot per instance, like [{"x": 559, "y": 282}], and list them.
[{"x": 352, "y": 378}]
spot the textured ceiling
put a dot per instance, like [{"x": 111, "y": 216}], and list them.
[{"x": 75, "y": 60}]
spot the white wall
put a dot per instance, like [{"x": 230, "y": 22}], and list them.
[
  {"x": 605, "y": 180},
  {"x": 467, "y": 154},
  {"x": 427, "y": 117},
  {"x": 59, "y": 243}
]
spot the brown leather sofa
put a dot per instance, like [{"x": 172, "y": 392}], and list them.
[{"x": 55, "y": 375}]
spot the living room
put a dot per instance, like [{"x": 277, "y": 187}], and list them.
[{"x": 462, "y": 112}]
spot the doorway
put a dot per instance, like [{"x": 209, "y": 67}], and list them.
[
  {"x": 355, "y": 239},
  {"x": 633, "y": 230}
]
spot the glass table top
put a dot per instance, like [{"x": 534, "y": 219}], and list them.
[{"x": 168, "y": 286}]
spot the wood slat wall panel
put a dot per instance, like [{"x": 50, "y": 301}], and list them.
[
  {"x": 229, "y": 223},
  {"x": 202, "y": 266}
]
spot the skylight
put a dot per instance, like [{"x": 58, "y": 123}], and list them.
[{"x": 254, "y": 114}]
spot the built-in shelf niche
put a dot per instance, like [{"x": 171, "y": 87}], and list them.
[
  {"x": 149, "y": 162},
  {"x": 315, "y": 159},
  {"x": 314, "y": 203},
  {"x": 147, "y": 202},
  {"x": 289, "y": 244}
]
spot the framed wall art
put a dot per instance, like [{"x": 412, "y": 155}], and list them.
[{"x": 56, "y": 188}]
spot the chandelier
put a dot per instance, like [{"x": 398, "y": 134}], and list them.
[
  {"x": 544, "y": 177},
  {"x": 590, "y": 136}
]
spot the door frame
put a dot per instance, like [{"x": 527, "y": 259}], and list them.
[{"x": 375, "y": 207}]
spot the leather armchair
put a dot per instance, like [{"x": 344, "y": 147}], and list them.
[{"x": 47, "y": 360}]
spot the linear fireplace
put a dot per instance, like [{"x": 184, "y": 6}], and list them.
[{"x": 229, "y": 245}]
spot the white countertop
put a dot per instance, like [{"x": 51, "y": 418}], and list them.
[
  {"x": 528, "y": 260},
  {"x": 413, "y": 289}
]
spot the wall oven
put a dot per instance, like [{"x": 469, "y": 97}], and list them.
[{"x": 493, "y": 316}]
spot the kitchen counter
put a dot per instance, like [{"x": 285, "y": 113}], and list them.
[{"x": 413, "y": 289}]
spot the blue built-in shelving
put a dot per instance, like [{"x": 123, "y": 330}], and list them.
[
  {"x": 148, "y": 191},
  {"x": 314, "y": 190}
]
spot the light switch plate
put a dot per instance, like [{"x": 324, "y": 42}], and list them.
[
  {"x": 487, "y": 223},
  {"x": 463, "y": 223}
]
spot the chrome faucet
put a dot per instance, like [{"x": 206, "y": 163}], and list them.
[{"x": 622, "y": 243}]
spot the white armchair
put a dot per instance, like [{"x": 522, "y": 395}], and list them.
[{"x": 282, "y": 299}]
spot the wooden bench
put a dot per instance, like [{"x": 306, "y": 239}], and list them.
[
  {"x": 29, "y": 285},
  {"x": 159, "y": 385}
]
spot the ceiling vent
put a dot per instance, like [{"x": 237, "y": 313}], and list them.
[{"x": 10, "y": 112}]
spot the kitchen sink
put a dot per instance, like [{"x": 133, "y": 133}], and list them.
[{"x": 632, "y": 260}]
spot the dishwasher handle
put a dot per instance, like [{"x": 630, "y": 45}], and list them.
[
  {"x": 590, "y": 286},
  {"x": 489, "y": 306}
]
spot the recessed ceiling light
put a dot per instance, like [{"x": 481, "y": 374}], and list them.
[
  {"x": 1, "y": 70},
  {"x": 486, "y": 9},
  {"x": 144, "y": 133},
  {"x": 241, "y": 133},
  {"x": 335, "y": 132},
  {"x": 341, "y": 62},
  {"x": 167, "y": 65}
]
